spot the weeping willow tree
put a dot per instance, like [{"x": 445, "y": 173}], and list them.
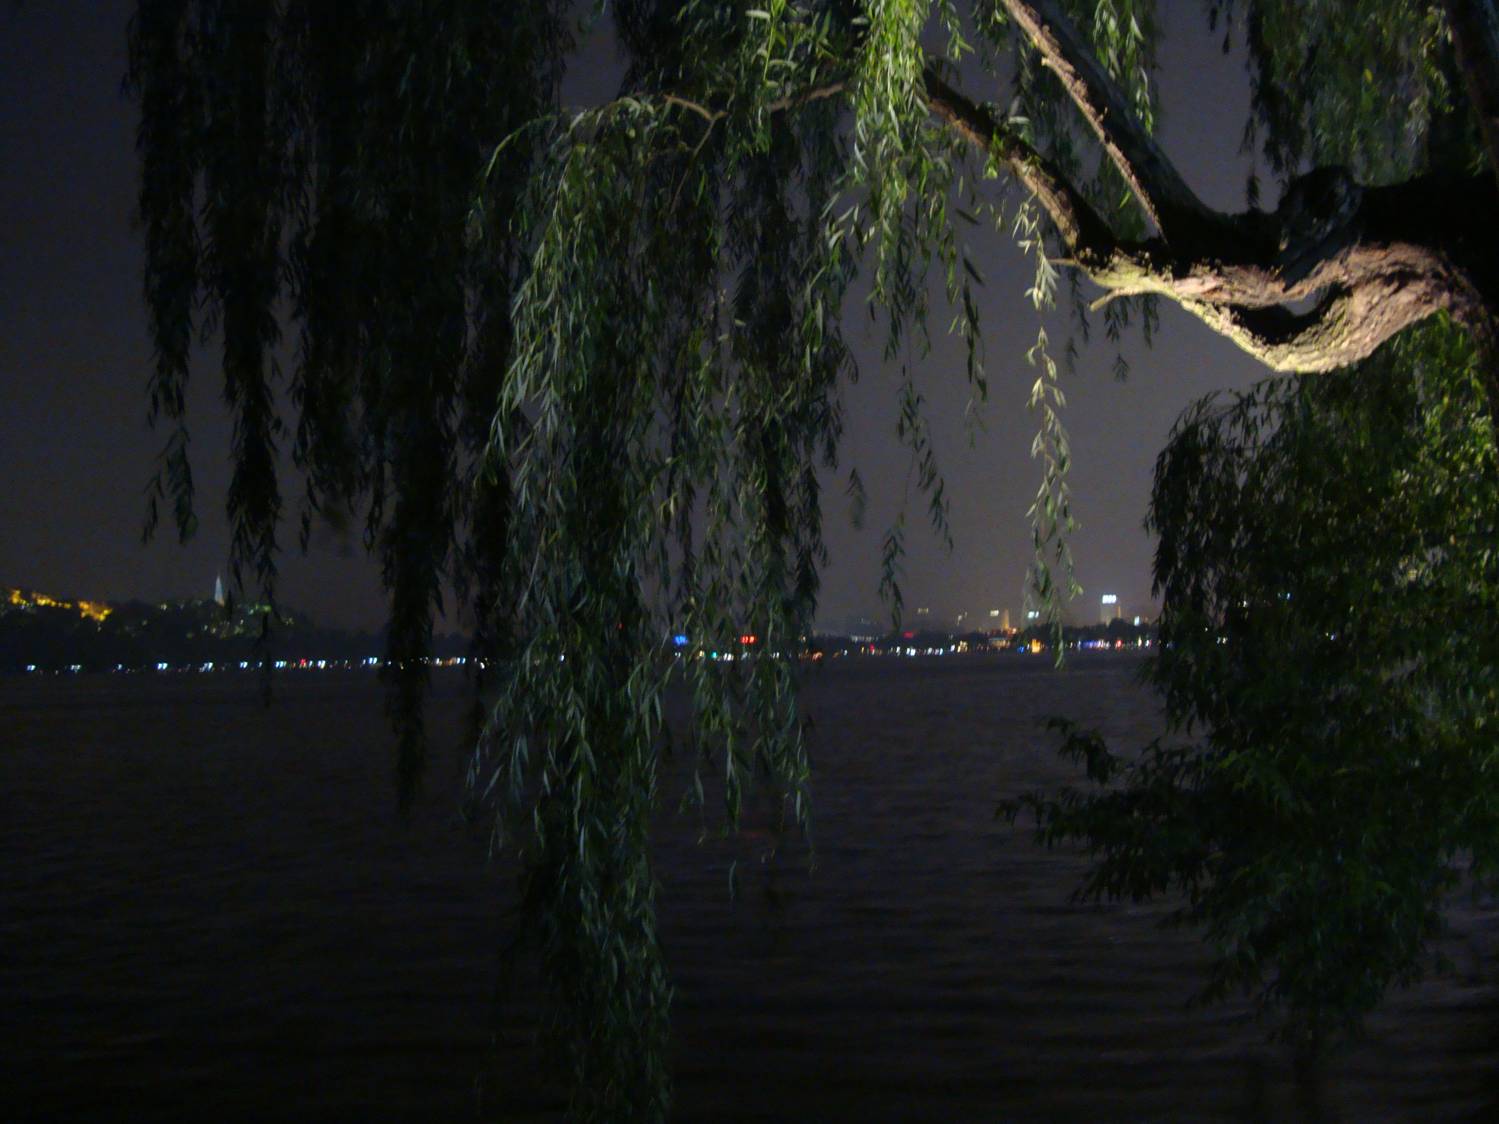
[
  {"x": 1329, "y": 664},
  {"x": 583, "y": 366},
  {"x": 1327, "y": 658}
]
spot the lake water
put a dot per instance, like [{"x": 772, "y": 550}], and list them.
[{"x": 209, "y": 909}]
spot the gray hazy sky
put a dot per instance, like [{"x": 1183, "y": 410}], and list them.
[{"x": 75, "y": 451}]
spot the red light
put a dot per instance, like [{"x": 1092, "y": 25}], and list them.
[
  {"x": 748, "y": 638},
  {"x": 909, "y": 635}
]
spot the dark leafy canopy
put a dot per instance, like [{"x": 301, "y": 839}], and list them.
[
  {"x": 1374, "y": 90},
  {"x": 1328, "y": 573},
  {"x": 585, "y": 365},
  {"x": 315, "y": 165},
  {"x": 1326, "y": 570}
]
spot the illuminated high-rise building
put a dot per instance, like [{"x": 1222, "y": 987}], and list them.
[{"x": 1108, "y": 608}]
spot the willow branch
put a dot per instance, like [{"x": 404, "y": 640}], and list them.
[
  {"x": 1081, "y": 228},
  {"x": 1371, "y": 261},
  {"x": 1388, "y": 258},
  {"x": 779, "y": 105},
  {"x": 1152, "y": 177},
  {"x": 709, "y": 115}
]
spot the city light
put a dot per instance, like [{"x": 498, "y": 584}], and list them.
[
  {"x": 95, "y": 611},
  {"x": 919, "y": 639}
]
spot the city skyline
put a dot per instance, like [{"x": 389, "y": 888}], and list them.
[{"x": 994, "y": 619}]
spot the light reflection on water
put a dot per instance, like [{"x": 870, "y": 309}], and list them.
[{"x": 212, "y": 909}]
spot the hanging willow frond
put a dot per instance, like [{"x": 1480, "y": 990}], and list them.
[
  {"x": 318, "y": 163},
  {"x": 583, "y": 368}
]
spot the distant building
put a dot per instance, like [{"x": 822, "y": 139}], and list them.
[
  {"x": 218, "y": 590},
  {"x": 1109, "y": 608}
]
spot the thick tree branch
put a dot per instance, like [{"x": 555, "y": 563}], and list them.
[
  {"x": 1078, "y": 223},
  {"x": 1321, "y": 283},
  {"x": 780, "y": 105},
  {"x": 1370, "y": 262},
  {"x": 1161, "y": 191},
  {"x": 1344, "y": 327},
  {"x": 1401, "y": 254}
]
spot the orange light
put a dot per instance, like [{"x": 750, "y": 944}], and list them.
[
  {"x": 94, "y": 610},
  {"x": 748, "y": 638}
]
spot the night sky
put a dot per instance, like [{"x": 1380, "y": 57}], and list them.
[{"x": 76, "y": 453}]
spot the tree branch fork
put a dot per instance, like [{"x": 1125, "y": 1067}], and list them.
[{"x": 1319, "y": 283}]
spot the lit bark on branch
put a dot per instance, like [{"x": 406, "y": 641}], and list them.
[{"x": 1320, "y": 283}]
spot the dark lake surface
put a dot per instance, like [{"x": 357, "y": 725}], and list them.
[{"x": 211, "y": 910}]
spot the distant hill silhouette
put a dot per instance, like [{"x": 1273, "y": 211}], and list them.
[{"x": 50, "y": 633}]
